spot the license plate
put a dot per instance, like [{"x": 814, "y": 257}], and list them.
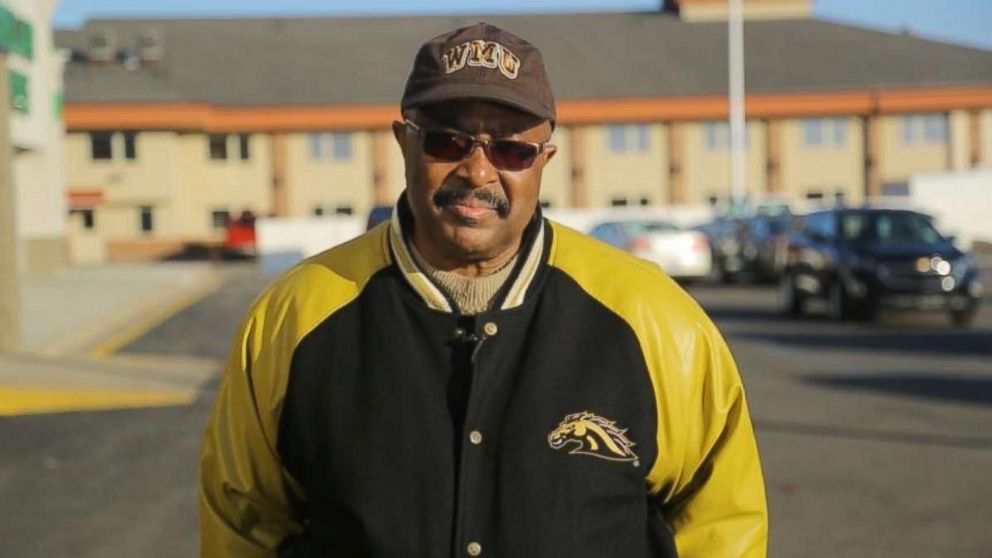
[{"x": 920, "y": 302}]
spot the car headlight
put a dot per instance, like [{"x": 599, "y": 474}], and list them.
[{"x": 962, "y": 266}]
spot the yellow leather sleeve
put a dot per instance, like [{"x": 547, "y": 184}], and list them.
[
  {"x": 247, "y": 499},
  {"x": 707, "y": 475}
]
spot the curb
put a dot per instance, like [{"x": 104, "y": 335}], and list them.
[{"x": 131, "y": 323}]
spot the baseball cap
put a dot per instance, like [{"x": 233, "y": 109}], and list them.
[{"x": 481, "y": 61}]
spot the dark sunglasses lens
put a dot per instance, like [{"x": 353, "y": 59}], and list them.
[
  {"x": 446, "y": 146},
  {"x": 512, "y": 155}
]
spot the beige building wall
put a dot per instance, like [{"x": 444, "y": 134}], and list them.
[
  {"x": 150, "y": 179},
  {"x": 985, "y": 127},
  {"x": 556, "y": 179},
  {"x": 326, "y": 182},
  {"x": 395, "y": 169},
  {"x": 901, "y": 160},
  {"x": 707, "y": 172},
  {"x": 175, "y": 176},
  {"x": 232, "y": 185},
  {"x": 632, "y": 174},
  {"x": 827, "y": 168},
  {"x": 959, "y": 137}
]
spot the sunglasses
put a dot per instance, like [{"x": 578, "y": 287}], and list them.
[{"x": 454, "y": 146}]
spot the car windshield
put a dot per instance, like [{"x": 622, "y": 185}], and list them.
[
  {"x": 779, "y": 225},
  {"x": 895, "y": 227},
  {"x": 644, "y": 227}
]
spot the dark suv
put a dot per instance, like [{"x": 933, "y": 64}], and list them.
[{"x": 861, "y": 260}]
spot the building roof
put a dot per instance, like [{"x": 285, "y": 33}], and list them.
[{"x": 339, "y": 61}]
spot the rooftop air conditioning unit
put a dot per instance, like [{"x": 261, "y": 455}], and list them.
[
  {"x": 151, "y": 47},
  {"x": 102, "y": 46}
]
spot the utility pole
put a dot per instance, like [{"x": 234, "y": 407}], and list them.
[
  {"x": 738, "y": 143},
  {"x": 10, "y": 292}
]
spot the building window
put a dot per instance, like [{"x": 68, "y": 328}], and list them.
[
  {"x": 908, "y": 129},
  {"x": 618, "y": 202},
  {"x": 342, "y": 146},
  {"x": 220, "y": 218},
  {"x": 819, "y": 132},
  {"x": 644, "y": 201},
  {"x": 344, "y": 210},
  {"x": 316, "y": 146},
  {"x": 101, "y": 148},
  {"x": 328, "y": 146},
  {"x": 546, "y": 204},
  {"x": 935, "y": 128},
  {"x": 628, "y": 138},
  {"x": 130, "y": 145},
  {"x": 147, "y": 221},
  {"x": 896, "y": 188},
  {"x": 839, "y": 131},
  {"x": 616, "y": 138},
  {"x": 717, "y": 135},
  {"x": 813, "y": 132},
  {"x": 87, "y": 215},
  {"x": 318, "y": 211},
  {"x": 923, "y": 128},
  {"x": 814, "y": 195},
  {"x": 218, "y": 146},
  {"x": 244, "y": 146}
]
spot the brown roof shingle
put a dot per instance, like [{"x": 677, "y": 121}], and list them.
[{"x": 238, "y": 62}]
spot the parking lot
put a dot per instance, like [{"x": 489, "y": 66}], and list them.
[{"x": 876, "y": 438}]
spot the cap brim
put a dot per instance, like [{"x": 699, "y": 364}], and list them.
[{"x": 486, "y": 92}]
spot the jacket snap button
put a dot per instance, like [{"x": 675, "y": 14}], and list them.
[
  {"x": 490, "y": 329},
  {"x": 474, "y": 549},
  {"x": 475, "y": 437}
]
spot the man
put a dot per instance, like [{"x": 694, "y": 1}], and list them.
[{"x": 471, "y": 379}]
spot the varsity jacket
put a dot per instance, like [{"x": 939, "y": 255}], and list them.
[{"x": 595, "y": 412}]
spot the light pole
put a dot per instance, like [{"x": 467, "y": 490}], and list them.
[
  {"x": 10, "y": 293},
  {"x": 738, "y": 143}
]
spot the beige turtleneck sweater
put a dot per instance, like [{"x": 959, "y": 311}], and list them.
[{"x": 473, "y": 295}]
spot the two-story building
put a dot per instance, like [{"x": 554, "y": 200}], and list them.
[{"x": 175, "y": 126}]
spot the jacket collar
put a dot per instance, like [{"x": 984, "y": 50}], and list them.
[{"x": 513, "y": 292}]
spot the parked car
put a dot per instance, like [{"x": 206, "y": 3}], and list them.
[
  {"x": 764, "y": 246},
  {"x": 863, "y": 260},
  {"x": 683, "y": 254},
  {"x": 239, "y": 237},
  {"x": 378, "y": 214},
  {"x": 726, "y": 238}
]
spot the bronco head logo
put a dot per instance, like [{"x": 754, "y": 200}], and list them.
[{"x": 593, "y": 435}]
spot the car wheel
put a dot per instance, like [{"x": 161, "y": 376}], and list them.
[
  {"x": 964, "y": 318},
  {"x": 838, "y": 303},
  {"x": 792, "y": 302},
  {"x": 863, "y": 311}
]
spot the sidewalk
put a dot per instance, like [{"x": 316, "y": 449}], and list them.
[
  {"x": 74, "y": 322},
  {"x": 72, "y": 312}
]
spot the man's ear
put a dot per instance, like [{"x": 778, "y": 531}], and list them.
[
  {"x": 549, "y": 152},
  {"x": 399, "y": 132}
]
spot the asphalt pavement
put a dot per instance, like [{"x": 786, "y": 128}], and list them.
[{"x": 876, "y": 439}]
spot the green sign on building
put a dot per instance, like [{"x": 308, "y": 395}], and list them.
[
  {"x": 16, "y": 35},
  {"x": 19, "y": 92}
]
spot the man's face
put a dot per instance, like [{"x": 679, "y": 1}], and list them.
[{"x": 470, "y": 211}]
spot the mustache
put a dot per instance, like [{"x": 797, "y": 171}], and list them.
[{"x": 447, "y": 195}]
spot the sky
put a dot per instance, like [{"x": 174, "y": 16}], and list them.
[{"x": 967, "y": 22}]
